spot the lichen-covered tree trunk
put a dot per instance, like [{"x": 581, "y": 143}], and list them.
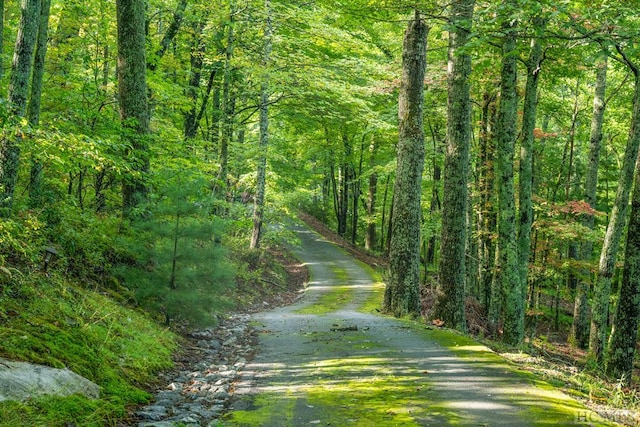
[
  {"x": 621, "y": 351},
  {"x": 226, "y": 104},
  {"x": 622, "y": 348},
  {"x": 132, "y": 88},
  {"x": 17, "y": 96},
  {"x": 507, "y": 278},
  {"x": 33, "y": 109},
  {"x": 450, "y": 302},
  {"x": 402, "y": 294},
  {"x": 600, "y": 308},
  {"x": 581, "y": 329},
  {"x": 486, "y": 212},
  {"x": 263, "y": 144},
  {"x": 618, "y": 215},
  {"x": 525, "y": 180}
]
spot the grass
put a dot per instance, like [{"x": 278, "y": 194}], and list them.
[{"x": 49, "y": 321}]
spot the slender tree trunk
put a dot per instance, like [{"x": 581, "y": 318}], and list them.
[
  {"x": 227, "y": 108},
  {"x": 197, "y": 60},
  {"x": 132, "y": 86},
  {"x": 450, "y": 302},
  {"x": 507, "y": 278},
  {"x": 525, "y": 217},
  {"x": 600, "y": 309},
  {"x": 370, "y": 234},
  {"x": 402, "y": 294},
  {"x": 169, "y": 35},
  {"x": 435, "y": 204},
  {"x": 263, "y": 145},
  {"x": 33, "y": 109},
  {"x": 17, "y": 97},
  {"x": 487, "y": 215}
]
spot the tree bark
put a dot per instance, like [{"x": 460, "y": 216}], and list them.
[
  {"x": 402, "y": 294},
  {"x": 507, "y": 279},
  {"x": 618, "y": 215},
  {"x": 370, "y": 234},
  {"x": 263, "y": 145},
  {"x": 132, "y": 88},
  {"x": 600, "y": 308},
  {"x": 525, "y": 193},
  {"x": 227, "y": 104},
  {"x": 450, "y": 302},
  {"x": 197, "y": 60},
  {"x": 487, "y": 219},
  {"x": 169, "y": 35},
  {"x": 621, "y": 352},
  {"x": 17, "y": 97},
  {"x": 33, "y": 109}
]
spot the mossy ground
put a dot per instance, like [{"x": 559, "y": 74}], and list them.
[
  {"x": 356, "y": 379},
  {"x": 46, "y": 320}
]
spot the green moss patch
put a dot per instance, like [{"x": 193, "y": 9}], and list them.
[{"x": 46, "y": 320}]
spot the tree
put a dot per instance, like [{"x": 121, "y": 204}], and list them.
[
  {"x": 33, "y": 109},
  {"x": 508, "y": 297},
  {"x": 621, "y": 351},
  {"x": 134, "y": 109},
  {"x": 402, "y": 293},
  {"x": 258, "y": 206},
  {"x": 525, "y": 179},
  {"x": 450, "y": 305},
  {"x": 17, "y": 98},
  {"x": 600, "y": 309}
]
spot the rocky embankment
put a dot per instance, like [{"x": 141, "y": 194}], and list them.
[{"x": 197, "y": 393}]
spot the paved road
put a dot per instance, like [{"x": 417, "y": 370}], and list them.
[{"x": 347, "y": 367}]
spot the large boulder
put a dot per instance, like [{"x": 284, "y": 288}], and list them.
[{"x": 20, "y": 381}]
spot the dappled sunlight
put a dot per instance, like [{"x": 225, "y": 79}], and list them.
[{"x": 324, "y": 362}]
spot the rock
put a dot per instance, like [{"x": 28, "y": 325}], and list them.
[
  {"x": 198, "y": 394},
  {"x": 20, "y": 381}
]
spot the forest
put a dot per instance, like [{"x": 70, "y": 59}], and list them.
[{"x": 486, "y": 150}]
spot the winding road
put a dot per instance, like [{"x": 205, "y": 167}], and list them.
[{"x": 330, "y": 360}]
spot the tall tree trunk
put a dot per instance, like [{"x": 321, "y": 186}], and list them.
[
  {"x": 486, "y": 213},
  {"x": 450, "y": 302},
  {"x": 33, "y": 109},
  {"x": 525, "y": 217},
  {"x": 621, "y": 351},
  {"x": 263, "y": 145},
  {"x": 197, "y": 60},
  {"x": 227, "y": 107},
  {"x": 622, "y": 348},
  {"x": 435, "y": 205},
  {"x": 600, "y": 309},
  {"x": 132, "y": 86},
  {"x": 507, "y": 278},
  {"x": 402, "y": 294},
  {"x": 370, "y": 234},
  {"x": 618, "y": 215},
  {"x": 17, "y": 97}
]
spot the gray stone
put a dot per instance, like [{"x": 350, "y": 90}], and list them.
[{"x": 20, "y": 381}]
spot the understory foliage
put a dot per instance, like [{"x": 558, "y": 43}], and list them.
[{"x": 179, "y": 265}]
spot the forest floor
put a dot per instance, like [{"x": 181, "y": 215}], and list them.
[{"x": 331, "y": 359}]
